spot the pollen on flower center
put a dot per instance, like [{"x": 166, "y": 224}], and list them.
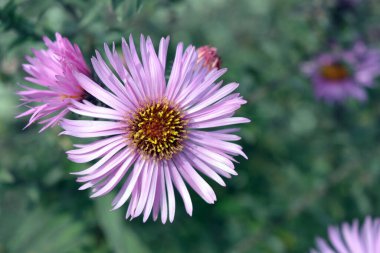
[
  {"x": 157, "y": 130},
  {"x": 335, "y": 72}
]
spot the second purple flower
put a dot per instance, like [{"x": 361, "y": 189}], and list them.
[{"x": 340, "y": 75}]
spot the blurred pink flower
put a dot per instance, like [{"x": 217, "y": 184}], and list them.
[
  {"x": 209, "y": 57},
  {"x": 352, "y": 238},
  {"x": 52, "y": 71},
  {"x": 156, "y": 132},
  {"x": 338, "y": 76}
]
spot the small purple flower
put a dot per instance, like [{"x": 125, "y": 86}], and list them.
[
  {"x": 338, "y": 76},
  {"x": 53, "y": 71},
  {"x": 209, "y": 57},
  {"x": 352, "y": 238},
  {"x": 156, "y": 133}
]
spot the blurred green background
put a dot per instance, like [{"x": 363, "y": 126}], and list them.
[{"x": 310, "y": 164}]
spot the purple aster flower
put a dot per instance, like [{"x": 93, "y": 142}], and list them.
[
  {"x": 156, "y": 133},
  {"x": 352, "y": 238},
  {"x": 209, "y": 57},
  {"x": 340, "y": 75},
  {"x": 52, "y": 71}
]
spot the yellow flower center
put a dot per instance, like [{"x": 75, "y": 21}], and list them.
[
  {"x": 335, "y": 72},
  {"x": 157, "y": 130}
]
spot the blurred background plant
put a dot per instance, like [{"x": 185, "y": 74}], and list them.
[{"x": 310, "y": 164}]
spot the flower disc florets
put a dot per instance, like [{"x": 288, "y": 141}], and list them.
[
  {"x": 157, "y": 130},
  {"x": 336, "y": 71}
]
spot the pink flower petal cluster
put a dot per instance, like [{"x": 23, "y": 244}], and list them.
[
  {"x": 52, "y": 71},
  {"x": 351, "y": 238}
]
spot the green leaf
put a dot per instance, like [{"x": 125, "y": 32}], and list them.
[
  {"x": 92, "y": 13},
  {"x": 120, "y": 237},
  {"x": 6, "y": 176},
  {"x": 45, "y": 232},
  {"x": 116, "y": 3}
]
